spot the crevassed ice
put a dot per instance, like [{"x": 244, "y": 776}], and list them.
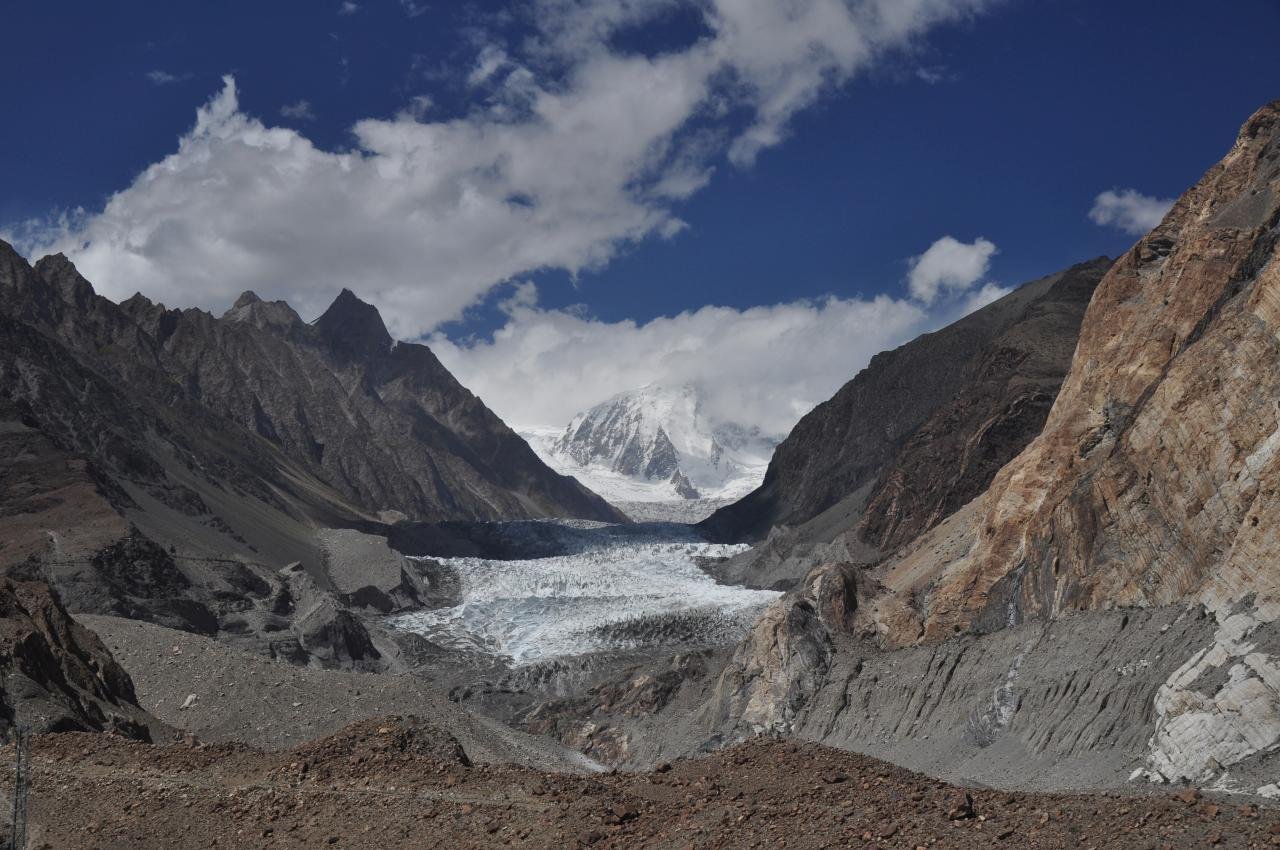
[{"x": 623, "y": 596}]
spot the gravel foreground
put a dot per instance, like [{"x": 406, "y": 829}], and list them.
[{"x": 400, "y": 782}]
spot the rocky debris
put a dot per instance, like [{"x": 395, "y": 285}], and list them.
[
  {"x": 602, "y": 721},
  {"x": 55, "y": 675},
  {"x": 283, "y": 614},
  {"x": 390, "y": 782},
  {"x": 367, "y": 573},
  {"x": 927, "y": 425},
  {"x": 271, "y": 704},
  {"x": 1069, "y": 704}
]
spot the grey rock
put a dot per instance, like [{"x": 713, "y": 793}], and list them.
[{"x": 1004, "y": 362}]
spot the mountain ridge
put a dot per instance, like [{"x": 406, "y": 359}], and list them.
[{"x": 910, "y": 438}]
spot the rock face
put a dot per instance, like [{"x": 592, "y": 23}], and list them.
[
  {"x": 237, "y": 435},
  {"x": 381, "y": 426},
  {"x": 381, "y": 422},
  {"x": 913, "y": 437},
  {"x": 922, "y": 429},
  {"x": 1155, "y": 476},
  {"x": 1134, "y": 537},
  {"x": 55, "y": 675},
  {"x": 166, "y": 465}
]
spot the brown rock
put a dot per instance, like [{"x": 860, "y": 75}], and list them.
[
  {"x": 1150, "y": 482},
  {"x": 1188, "y": 795}
]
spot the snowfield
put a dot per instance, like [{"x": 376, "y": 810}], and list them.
[{"x": 624, "y": 593}]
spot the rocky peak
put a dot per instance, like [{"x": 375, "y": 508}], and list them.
[
  {"x": 62, "y": 274},
  {"x": 139, "y": 305},
  {"x": 13, "y": 267},
  {"x": 265, "y": 315},
  {"x": 683, "y": 486},
  {"x": 354, "y": 328},
  {"x": 26, "y": 293}
]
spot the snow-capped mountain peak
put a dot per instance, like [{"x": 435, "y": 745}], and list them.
[{"x": 657, "y": 443}]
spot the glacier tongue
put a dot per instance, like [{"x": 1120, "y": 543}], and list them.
[{"x": 621, "y": 595}]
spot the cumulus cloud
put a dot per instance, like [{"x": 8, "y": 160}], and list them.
[
  {"x": 763, "y": 366},
  {"x": 1129, "y": 210},
  {"x": 348, "y": 8},
  {"x": 948, "y": 265},
  {"x": 300, "y": 111},
  {"x": 574, "y": 150}
]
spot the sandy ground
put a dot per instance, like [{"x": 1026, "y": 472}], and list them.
[{"x": 394, "y": 783}]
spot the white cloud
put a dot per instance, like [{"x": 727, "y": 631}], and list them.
[
  {"x": 575, "y": 151},
  {"x": 417, "y": 107},
  {"x": 414, "y": 9},
  {"x": 164, "y": 78},
  {"x": 934, "y": 75},
  {"x": 1129, "y": 210},
  {"x": 948, "y": 265},
  {"x": 763, "y": 366},
  {"x": 348, "y": 8},
  {"x": 490, "y": 60},
  {"x": 983, "y": 296},
  {"x": 300, "y": 111}
]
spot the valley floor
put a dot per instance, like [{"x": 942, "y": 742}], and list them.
[
  {"x": 329, "y": 767},
  {"x": 396, "y": 782}
]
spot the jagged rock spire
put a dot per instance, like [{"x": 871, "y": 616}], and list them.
[{"x": 354, "y": 328}]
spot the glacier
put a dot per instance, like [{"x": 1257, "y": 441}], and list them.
[{"x": 624, "y": 593}]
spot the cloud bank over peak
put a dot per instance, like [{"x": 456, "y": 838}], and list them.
[
  {"x": 763, "y": 366},
  {"x": 573, "y": 149}
]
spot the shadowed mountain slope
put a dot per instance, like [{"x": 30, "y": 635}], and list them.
[{"x": 914, "y": 436}]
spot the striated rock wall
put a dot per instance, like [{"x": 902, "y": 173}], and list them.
[{"x": 1155, "y": 477}]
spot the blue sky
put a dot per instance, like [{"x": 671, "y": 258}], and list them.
[{"x": 999, "y": 120}]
